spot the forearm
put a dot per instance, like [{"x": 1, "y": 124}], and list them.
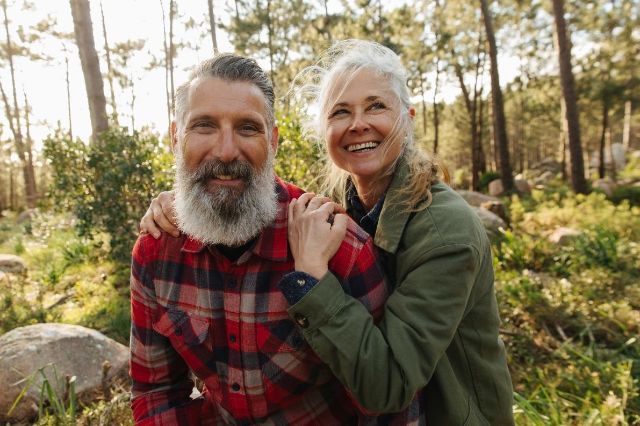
[{"x": 383, "y": 365}]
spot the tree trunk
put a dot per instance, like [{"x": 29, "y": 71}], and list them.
[
  {"x": 172, "y": 52},
  {"x": 270, "y": 43},
  {"x": 578, "y": 181},
  {"x": 114, "y": 110},
  {"x": 13, "y": 117},
  {"x": 66, "y": 64},
  {"x": 212, "y": 24},
  {"x": 32, "y": 194},
  {"x": 499, "y": 121},
  {"x": 166, "y": 65},
  {"x": 603, "y": 138},
  {"x": 626, "y": 131},
  {"x": 436, "y": 118},
  {"x": 83, "y": 29}
]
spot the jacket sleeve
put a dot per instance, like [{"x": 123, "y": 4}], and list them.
[
  {"x": 161, "y": 386},
  {"x": 383, "y": 365}
]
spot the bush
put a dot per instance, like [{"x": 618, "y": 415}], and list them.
[
  {"x": 485, "y": 179},
  {"x": 108, "y": 184},
  {"x": 628, "y": 193}
]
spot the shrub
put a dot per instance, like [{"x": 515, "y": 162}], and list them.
[
  {"x": 628, "y": 193},
  {"x": 485, "y": 179},
  {"x": 108, "y": 184}
]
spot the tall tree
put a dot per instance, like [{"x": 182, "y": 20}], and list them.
[
  {"x": 107, "y": 52},
  {"x": 578, "y": 181},
  {"x": 83, "y": 29},
  {"x": 13, "y": 115},
  {"x": 212, "y": 25},
  {"x": 499, "y": 120}
]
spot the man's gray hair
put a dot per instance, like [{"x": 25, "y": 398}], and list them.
[{"x": 232, "y": 68}]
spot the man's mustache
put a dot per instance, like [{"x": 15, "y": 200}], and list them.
[{"x": 212, "y": 169}]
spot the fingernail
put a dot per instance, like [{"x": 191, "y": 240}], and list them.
[{"x": 156, "y": 235}]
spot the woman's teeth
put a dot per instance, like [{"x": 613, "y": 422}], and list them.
[{"x": 362, "y": 146}]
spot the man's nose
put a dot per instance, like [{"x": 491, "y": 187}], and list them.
[{"x": 227, "y": 147}]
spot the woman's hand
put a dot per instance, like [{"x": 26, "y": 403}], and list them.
[
  {"x": 161, "y": 216},
  {"x": 316, "y": 228}
]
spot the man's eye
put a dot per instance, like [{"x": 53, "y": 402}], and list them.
[
  {"x": 202, "y": 124},
  {"x": 249, "y": 129}
]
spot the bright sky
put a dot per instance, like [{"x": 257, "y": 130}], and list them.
[{"x": 44, "y": 81}]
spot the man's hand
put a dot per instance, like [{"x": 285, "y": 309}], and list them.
[
  {"x": 161, "y": 216},
  {"x": 316, "y": 227}
]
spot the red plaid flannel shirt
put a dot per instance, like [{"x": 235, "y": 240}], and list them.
[{"x": 194, "y": 310}]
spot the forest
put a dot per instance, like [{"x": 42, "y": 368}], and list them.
[{"x": 533, "y": 106}]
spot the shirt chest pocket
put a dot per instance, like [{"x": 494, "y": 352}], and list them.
[{"x": 186, "y": 332}]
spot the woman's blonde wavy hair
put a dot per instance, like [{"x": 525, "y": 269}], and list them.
[{"x": 316, "y": 87}]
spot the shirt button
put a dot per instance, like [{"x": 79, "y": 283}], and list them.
[
  {"x": 232, "y": 338},
  {"x": 301, "y": 320},
  {"x": 301, "y": 283},
  {"x": 178, "y": 331},
  {"x": 235, "y": 387}
]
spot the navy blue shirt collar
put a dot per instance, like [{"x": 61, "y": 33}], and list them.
[{"x": 358, "y": 212}]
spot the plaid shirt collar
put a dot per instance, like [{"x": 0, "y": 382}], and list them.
[{"x": 271, "y": 243}]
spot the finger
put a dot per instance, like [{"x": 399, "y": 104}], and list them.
[
  {"x": 164, "y": 223},
  {"x": 291, "y": 211},
  {"x": 148, "y": 226},
  {"x": 318, "y": 201},
  {"x": 167, "y": 203},
  {"x": 301, "y": 204},
  {"x": 339, "y": 226}
]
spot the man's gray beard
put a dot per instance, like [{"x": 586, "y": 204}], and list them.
[{"x": 226, "y": 216}]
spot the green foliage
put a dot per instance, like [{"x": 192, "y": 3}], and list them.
[
  {"x": 485, "y": 179},
  {"x": 108, "y": 185},
  {"x": 626, "y": 193},
  {"x": 298, "y": 160},
  {"x": 57, "y": 404}
]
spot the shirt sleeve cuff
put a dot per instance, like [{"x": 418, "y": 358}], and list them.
[{"x": 295, "y": 285}]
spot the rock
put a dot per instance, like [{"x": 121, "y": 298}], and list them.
[
  {"x": 476, "y": 199},
  {"x": 544, "y": 178},
  {"x": 3, "y": 277},
  {"x": 522, "y": 186},
  {"x": 12, "y": 264},
  {"x": 497, "y": 208},
  {"x": 564, "y": 236},
  {"x": 635, "y": 155},
  {"x": 72, "y": 349},
  {"x": 27, "y": 215},
  {"x": 491, "y": 222},
  {"x": 618, "y": 152},
  {"x": 496, "y": 188},
  {"x": 605, "y": 185}
]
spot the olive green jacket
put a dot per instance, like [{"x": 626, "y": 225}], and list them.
[{"x": 440, "y": 326}]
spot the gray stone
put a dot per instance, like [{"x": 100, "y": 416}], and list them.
[
  {"x": 564, "y": 236},
  {"x": 497, "y": 208},
  {"x": 491, "y": 222},
  {"x": 12, "y": 264},
  {"x": 476, "y": 199},
  {"x": 544, "y": 178},
  {"x": 496, "y": 188},
  {"x": 522, "y": 186},
  {"x": 618, "y": 152},
  {"x": 605, "y": 185},
  {"x": 27, "y": 215},
  {"x": 61, "y": 350}
]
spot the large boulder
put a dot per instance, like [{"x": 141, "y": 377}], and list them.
[
  {"x": 605, "y": 185},
  {"x": 60, "y": 350},
  {"x": 492, "y": 223},
  {"x": 12, "y": 264},
  {"x": 496, "y": 187},
  {"x": 476, "y": 199},
  {"x": 522, "y": 186}
]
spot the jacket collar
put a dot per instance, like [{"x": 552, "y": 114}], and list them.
[
  {"x": 394, "y": 215},
  {"x": 271, "y": 243}
]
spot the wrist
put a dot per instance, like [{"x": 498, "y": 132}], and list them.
[{"x": 316, "y": 271}]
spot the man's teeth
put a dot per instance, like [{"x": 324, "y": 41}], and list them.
[
  {"x": 362, "y": 146},
  {"x": 225, "y": 177}
]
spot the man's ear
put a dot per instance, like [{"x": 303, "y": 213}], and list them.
[
  {"x": 174, "y": 136},
  {"x": 412, "y": 112},
  {"x": 274, "y": 138}
]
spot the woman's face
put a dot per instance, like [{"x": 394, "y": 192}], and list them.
[{"x": 363, "y": 133}]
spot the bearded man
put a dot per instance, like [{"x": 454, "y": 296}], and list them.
[{"x": 206, "y": 302}]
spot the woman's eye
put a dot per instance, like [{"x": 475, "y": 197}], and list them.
[
  {"x": 377, "y": 105},
  {"x": 338, "y": 112}
]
